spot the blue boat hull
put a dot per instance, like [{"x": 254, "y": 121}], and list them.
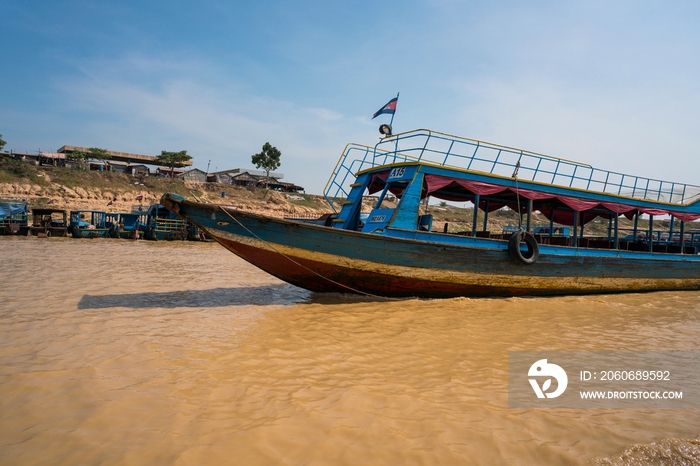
[
  {"x": 90, "y": 232},
  {"x": 423, "y": 264}
]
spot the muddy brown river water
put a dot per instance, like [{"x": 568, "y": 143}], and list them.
[{"x": 141, "y": 353}]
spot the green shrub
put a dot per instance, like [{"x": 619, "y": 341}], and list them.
[{"x": 16, "y": 168}]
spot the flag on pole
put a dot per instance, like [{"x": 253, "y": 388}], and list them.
[
  {"x": 139, "y": 198},
  {"x": 110, "y": 203},
  {"x": 389, "y": 108}
]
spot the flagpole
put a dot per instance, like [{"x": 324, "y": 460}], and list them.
[{"x": 392, "y": 115}]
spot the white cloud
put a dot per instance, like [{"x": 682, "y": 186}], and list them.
[{"x": 214, "y": 122}]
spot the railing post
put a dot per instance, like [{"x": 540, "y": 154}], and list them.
[
  {"x": 447, "y": 154},
  {"x": 607, "y": 177},
  {"x": 422, "y": 151},
  {"x": 573, "y": 176},
  {"x": 473, "y": 155},
  {"x": 588, "y": 185},
  {"x": 646, "y": 189},
  {"x": 495, "y": 162},
  {"x": 537, "y": 169},
  {"x": 556, "y": 170}
]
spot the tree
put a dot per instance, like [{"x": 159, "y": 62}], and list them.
[
  {"x": 173, "y": 159},
  {"x": 78, "y": 156},
  {"x": 2, "y": 143},
  {"x": 268, "y": 159},
  {"x": 99, "y": 154}
]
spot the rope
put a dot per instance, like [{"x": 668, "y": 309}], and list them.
[{"x": 269, "y": 245}]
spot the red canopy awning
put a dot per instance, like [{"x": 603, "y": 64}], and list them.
[{"x": 435, "y": 183}]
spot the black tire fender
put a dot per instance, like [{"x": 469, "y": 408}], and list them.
[{"x": 533, "y": 250}]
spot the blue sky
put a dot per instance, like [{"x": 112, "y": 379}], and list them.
[{"x": 613, "y": 84}]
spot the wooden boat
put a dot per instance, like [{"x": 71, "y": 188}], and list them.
[
  {"x": 13, "y": 217},
  {"x": 88, "y": 224},
  {"x": 393, "y": 250},
  {"x": 126, "y": 225},
  {"x": 164, "y": 225},
  {"x": 49, "y": 222}
]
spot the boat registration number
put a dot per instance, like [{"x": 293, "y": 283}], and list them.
[
  {"x": 377, "y": 218},
  {"x": 397, "y": 172}
]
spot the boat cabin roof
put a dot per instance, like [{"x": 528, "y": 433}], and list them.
[
  {"x": 461, "y": 169},
  {"x": 37, "y": 211}
]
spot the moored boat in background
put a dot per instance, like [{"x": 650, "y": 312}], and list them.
[
  {"x": 13, "y": 216},
  {"x": 88, "y": 224},
  {"x": 394, "y": 249},
  {"x": 49, "y": 222},
  {"x": 162, "y": 224},
  {"x": 126, "y": 225}
]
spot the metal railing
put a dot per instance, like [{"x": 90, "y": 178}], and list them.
[
  {"x": 470, "y": 154},
  {"x": 168, "y": 225}
]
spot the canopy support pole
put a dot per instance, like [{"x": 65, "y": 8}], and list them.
[
  {"x": 670, "y": 228},
  {"x": 682, "y": 237},
  {"x": 476, "y": 211},
  {"x": 486, "y": 215},
  {"x": 529, "y": 216},
  {"x": 551, "y": 224}
]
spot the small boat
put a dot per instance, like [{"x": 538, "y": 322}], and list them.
[
  {"x": 394, "y": 250},
  {"x": 48, "y": 222},
  {"x": 13, "y": 217},
  {"x": 162, "y": 224},
  {"x": 88, "y": 224},
  {"x": 127, "y": 225}
]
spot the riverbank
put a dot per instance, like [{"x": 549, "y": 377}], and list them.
[{"x": 71, "y": 189}]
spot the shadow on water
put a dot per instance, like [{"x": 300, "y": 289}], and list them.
[
  {"x": 268, "y": 295},
  {"x": 217, "y": 297}
]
